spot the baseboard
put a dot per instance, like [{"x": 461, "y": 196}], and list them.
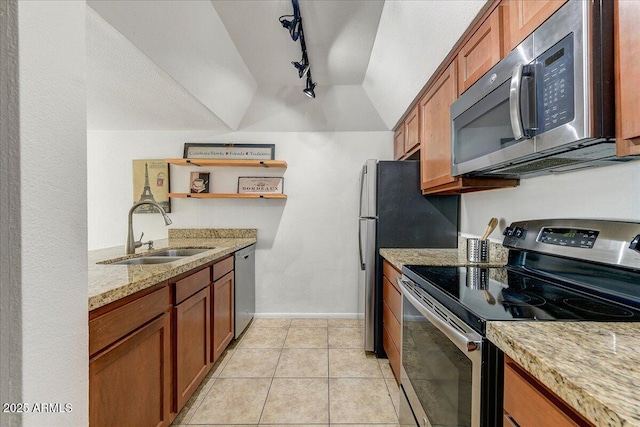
[{"x": 309, "y": 316}]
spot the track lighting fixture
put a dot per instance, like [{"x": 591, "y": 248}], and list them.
[
  {"x": 293, "y": 26},
  {"x": 309, "y": 90},
  {"x": 293, "y": 23},
  {"x": 302, "y": 67}
]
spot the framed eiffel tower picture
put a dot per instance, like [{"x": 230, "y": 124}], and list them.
[{"x": 151, "y": 182}]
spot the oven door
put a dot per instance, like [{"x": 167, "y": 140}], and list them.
[{"x": 441, "y": 363}]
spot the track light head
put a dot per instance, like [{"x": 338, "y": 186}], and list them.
[
  {"x": 302, "y": 67},
  {"x": 309, "y": 90},
  {"x": 292, "y": 25}
]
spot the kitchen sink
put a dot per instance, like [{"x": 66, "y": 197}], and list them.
[
  {"x": 178, "y": 252},
  {"x": 147, "y": 260},
  {"x": 161, "y": 257}
]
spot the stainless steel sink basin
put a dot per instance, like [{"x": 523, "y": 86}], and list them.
[
  {"x": 178, "y": 252},
  {"x": 147, "y": 260}
]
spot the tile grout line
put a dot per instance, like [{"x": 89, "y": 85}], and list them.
[{"x": 273, "y": 376}]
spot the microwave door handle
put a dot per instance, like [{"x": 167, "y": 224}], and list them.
[{"x": 514, "y": 103}]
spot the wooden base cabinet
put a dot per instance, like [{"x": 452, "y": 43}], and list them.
[
  {"x": 223, "y": 314},
  {"x": 528, "y": 403},
  {"x": 193, "y": 345},
  {"x": 130, "y": 381},
  {"x": 391, "y": 317}
]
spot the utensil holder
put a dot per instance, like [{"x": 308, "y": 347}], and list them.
[
  {"x": 478, "y": 250},
  {"x": 477, "y": 278}
]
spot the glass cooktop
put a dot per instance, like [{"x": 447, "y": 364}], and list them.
[{"x": 482, "y": 294}]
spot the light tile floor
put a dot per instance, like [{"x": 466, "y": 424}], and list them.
[{"x": 296, "y": 372}]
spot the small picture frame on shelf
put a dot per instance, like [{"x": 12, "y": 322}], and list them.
[
  {"x": 260, "y": 184},
  {"x": 199, "y": 182}
]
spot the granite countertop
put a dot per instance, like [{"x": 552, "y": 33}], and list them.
[
  {"x": 593, "y": 366},
  {"x": 108, "y": 283},
  {"x": 444, "y": 257}
]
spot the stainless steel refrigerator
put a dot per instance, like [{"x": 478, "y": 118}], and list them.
[{"x": 395, "y": 214}]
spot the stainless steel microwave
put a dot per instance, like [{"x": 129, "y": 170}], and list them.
[{"x": 548, "y": 106}]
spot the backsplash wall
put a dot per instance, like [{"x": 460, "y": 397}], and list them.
[{"x": 611, "y": 192}]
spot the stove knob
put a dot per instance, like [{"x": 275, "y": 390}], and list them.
[
  {"x": 635, "y": 243},
  {"x": 508, "y": 232},
  {"x": 518, "y": 232}
]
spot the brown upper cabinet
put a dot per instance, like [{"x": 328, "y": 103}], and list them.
[
  {"x": 398, "y": 143},
  {"x": 407, "y": 136},
  {"x": 435, "y": 148},
  {"x": 524, "y": 16},
  {"x": 627, "y": 67},
  {"x": 412, "y": 131},
  {"x": 482, "y": 51}
]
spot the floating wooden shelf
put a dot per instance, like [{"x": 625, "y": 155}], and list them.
[
  {"x": 227, "y": 196},
  {"x": 228, "y": 162}
]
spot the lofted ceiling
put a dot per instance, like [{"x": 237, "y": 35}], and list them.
[{"x": 225, "y": 65}]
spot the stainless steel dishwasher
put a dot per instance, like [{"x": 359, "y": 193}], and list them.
[{"x": 245, "y": 288}]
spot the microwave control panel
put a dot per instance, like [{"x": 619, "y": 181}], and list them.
[{"x": 554, "y": 85}]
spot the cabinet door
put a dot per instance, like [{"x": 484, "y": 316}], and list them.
[
  {"x": 627, "y": 41},
  {"x": 130, "y": 381},
  {"x": 435, "y": 151},
  {"x": 530, "y": 404},
  {"x": 192, "y": 344},
  {"x": 398, "y": 142},
  {"x": 526, "y": 15},
  {"x": 412, "y": 130},
  {"x": 481, "y": 52},
  {"x": 223, "y": 315}
]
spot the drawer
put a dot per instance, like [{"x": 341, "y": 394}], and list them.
[
  {"x": 108, "y": 328},
  {"x": 392, "y": 297},
  {"x": 392, "y": 324},
  {"x": 192, "y": 284},
  {"x": 221, "y": 268},
  {"x": 531, "y": 404},
  {"x": 392, "y": 353},
  {"x": 390, "y": 272}
]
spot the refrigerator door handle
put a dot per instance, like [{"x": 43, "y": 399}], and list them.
[
  {"x": 362, "y": 173},
  {"x": 362, "y": 263}
]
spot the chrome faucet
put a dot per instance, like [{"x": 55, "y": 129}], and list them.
[{"x": 132, "y": 244}]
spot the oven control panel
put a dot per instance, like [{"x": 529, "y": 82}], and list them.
[
  {"x": 572, "y": 237},
  {"x": 603, "y": 241}
]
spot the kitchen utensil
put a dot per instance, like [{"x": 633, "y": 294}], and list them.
[
  {"x": 493, "y": 222},
  {"x": 488, "y": 297}
]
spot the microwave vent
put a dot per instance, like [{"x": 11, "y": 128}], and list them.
[
  {"x": 587, "y": 154},
  {"x": 538, "y": 165}
]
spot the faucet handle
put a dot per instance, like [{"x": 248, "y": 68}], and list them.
[{"x": 138, "y": 243}]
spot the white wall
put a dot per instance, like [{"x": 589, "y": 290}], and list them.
[
  {"x": 307, "y": 253},
  {"x": 611, "y": 192},
  {"x": 50, "y": 190}
]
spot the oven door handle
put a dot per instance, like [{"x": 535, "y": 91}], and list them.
[{"x": 466, "y": 342}]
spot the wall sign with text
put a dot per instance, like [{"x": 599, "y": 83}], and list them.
[{"x": 255, "y": 184}]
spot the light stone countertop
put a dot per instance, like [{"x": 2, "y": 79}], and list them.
[
  {"x": 593, "y": 366},
  {"x": 444, "y": 257},
  {"x": 108, "y": 283}
]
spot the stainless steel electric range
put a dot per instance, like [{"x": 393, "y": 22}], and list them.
[{"x": 558, "y": 270}]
